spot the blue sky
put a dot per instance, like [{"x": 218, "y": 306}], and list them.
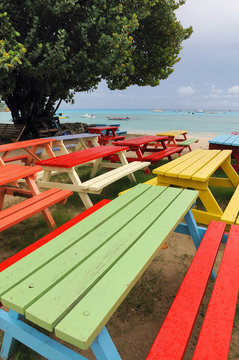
[{"x": 205, "y": 78}]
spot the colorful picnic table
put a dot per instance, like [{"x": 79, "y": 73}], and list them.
[
  {"x": 77, "y": 142},
  {"x": 194, "y": 170},
  {"x": 143, "y": 144},
  {"x": 67, "y": 164},
  {"x": 175, "y": 139},
  {"x": 28, "y": 146},
  {"x": 227, "y": 142},
  {"x": 106, "y": 134},
  {"x": 10, "y": 174},
  {"x": 74, "y": 283}
]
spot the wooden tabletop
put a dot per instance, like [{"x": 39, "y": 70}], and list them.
[
  {"x": 101, "y": 128},
  {"x": 197, "y": 165},
  {"x": 73, "y": 136},
  {"x": 227, "y": 140},
  {"x": 73, "y": 284},
  {"x": 25, "y": 144},
  {"x": 12, "y": 172},
  {"x": 140, "y": 140},
  {"x": 81, "y": 157},
  {"x": 173, "y": 133}
]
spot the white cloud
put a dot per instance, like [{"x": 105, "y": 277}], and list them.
[
  {"x": 215, "y": 90},
  {"x": 234, "y": 90},
  {"x": 186, "y": 90}
]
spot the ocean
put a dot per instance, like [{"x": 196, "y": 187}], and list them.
[{"x": 197, "y": 123}]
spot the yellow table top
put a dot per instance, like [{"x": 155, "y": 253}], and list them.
[
  {"x": 173, "y": 133},
  {"x": 198, "y": 165}
]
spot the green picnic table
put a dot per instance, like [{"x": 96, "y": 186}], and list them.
[{"x": 74, "y": 283}]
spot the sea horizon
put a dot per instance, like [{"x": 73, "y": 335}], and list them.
[{"x": 201, "y": 123}]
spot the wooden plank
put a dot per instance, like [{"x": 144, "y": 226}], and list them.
[
  {"x": 22, "y": 211},
  {"x": 215, "y": 336},
  {"x": 79, "y": 262},
  {"x": 173, "y": 337},
  {"x": 188, "y": 141},
  {"x": 29, "y": 249},
  {"x": 214, "y": 164},
  {"x": 170, "y": 165},
  {"x": 205, "y": 158},
  {"x": 220, "y": 139},
  {"x": 25, "y": 267},
  {"x": 99, "y": 182},
  {"x": 80, "y": 157},
  {"x": 231, "y": 212},
  {"x": 187, "y": 168},
  {"x": 83, "y": 323},
  {"x": 13, "y": 172}
]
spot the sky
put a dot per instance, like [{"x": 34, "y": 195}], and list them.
[{"x": 205, "y": 78}]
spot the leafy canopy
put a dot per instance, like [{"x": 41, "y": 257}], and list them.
[{"x": 51, "y": 49}]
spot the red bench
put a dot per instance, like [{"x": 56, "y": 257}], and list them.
[
  {"x": 214, "y": 339},
  {"x": 156, "y": 156}
]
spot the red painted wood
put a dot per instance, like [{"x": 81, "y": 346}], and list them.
[
  {"x": 175, "y": 332},
  {"x": 81, "y": 157},
  {"x": 13, "y": 259},
  {"x": 24, "y": 144},
  {"x": 214, "y": 339},
  {"x": 16, "y": 158},
  {"x": 140, "y": 140},
  {"x": 155, "y": 157},
  {"x": 21, "y": 211},
  {"x": 12, "y": 172}
]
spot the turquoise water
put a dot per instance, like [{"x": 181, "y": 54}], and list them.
[{"x": 146, "y": 121}]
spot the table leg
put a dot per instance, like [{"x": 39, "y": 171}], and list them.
[
  {"x": 35, "y": 191},
  {"x": 213, "y": 212},
  {"x": 96, "y": 166},
  {"x": 9, "y": 342},
  {"x": 49, "y": 151},
  {"x": 2, "y": 195},
  {"x": 80, "y": 145},
  {"x": 124, "y": 161},
  {"x": 76, "y": 181},
  {"x": 104, "y": 348},
  {"x": 230, "y": 172}
]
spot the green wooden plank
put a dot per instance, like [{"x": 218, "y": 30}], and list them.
[
  {"x": 26, "y": 266},
  {"x": 86, "y": 319},
  {"x": 58, "y": 301},
  {"x": 29, "y": 290}
]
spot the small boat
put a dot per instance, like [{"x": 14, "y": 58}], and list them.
[
  {"x": 118, "y": 118},
  {"x": 89, "y": 116},
  {"x": 157, "y": 110}
]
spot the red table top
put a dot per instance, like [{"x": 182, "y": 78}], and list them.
[
  {"x": 11, "y": 172},
  {"x": 82, "y": 156},
  {"x": 24, "y": 144},
  {"x": 141, "y": 140},
  {"x": 98, "y": 129}
]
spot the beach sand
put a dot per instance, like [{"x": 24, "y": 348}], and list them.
[{"x": 135, "y": 324}]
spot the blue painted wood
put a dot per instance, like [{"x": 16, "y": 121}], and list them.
[
  {"x": 183, "y": 229},
  {"x": 9, "y": 343},
  {"x": 220, "y": 139},
  {"x": 236, "y": 140},
  {"x": 230, "y": 141},
  {"x": 104, "y": 348},
  {"x": 195, "y": 234},
  {"x": 34, "y": 339}
]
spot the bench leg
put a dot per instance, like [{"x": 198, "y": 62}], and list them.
[
  {"x": 124, "y": 161},
  {"x": 195, "y": 234},
  {"x": 16, "y": 330},
  {"x": 9, "y": 343},
  {"x": 104, "y": 348},
  {"x": 76, "y": 181}
]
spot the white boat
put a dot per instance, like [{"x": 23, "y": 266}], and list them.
[
  {"x": 157, "y": 110},
  {"x": 89, "y": 116}
]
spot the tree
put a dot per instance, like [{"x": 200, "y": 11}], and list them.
[{"x": 52, "y": 49}]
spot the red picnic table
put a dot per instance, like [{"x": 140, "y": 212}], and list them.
[
  {"x": 67, "y": 163},
  {"x": 28, "y": 146},
  {"x": 37, "y": 202},
  {"x": 143, "y": 144},
  {"x": 106, "y": 134}
]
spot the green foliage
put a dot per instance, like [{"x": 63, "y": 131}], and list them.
[{"x": 52, "y": 49}]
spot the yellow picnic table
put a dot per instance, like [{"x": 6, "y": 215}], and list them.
[
  {"x": 194, "y": 170},
  {"x": 175, "y": 139}
]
